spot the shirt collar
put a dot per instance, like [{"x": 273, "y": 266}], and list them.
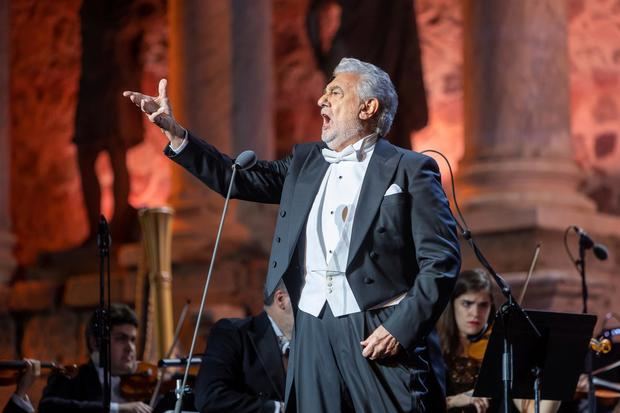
[
  {"x": 356, "y": 152},
  {"x": 365, "y": 144},
  {"x": 282, "y": 339}
]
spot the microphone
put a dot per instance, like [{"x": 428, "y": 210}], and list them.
[
  {"x": 599, "y": 250},
  {"x": 176, "y": 362},
  {"x": 104, "y": 239},
  {"x": 245, "y": 160}
]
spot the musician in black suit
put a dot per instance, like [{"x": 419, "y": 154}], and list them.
[
  {"x": 83, "y": 393},
  {"x": 244, "y": 366},
  {"x": 365, "y": 243}
]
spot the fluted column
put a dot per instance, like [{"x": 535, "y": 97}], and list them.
[
  {"x": 518, "y": 182},
  {"x": 252, "y": 89},
  {"x": 7, "y": 261},
  {"x": 252, "y": 77},
  {"x": 201, "y": 93},
  {"x": 518, "y": 148}
]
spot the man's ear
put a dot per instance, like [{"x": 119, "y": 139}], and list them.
[
  {"x": 92, "y": 343},
  {"x": 280, "y": 298},
  {"x": 369, "y": 108}
]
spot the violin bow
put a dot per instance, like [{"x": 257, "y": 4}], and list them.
[
  {"x": 607, "y": 367},
  {"x": 529, "y": 274},
  {"x": 175, "y": 340}
]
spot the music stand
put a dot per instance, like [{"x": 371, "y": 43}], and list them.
[{"x": 559, "y": 354}]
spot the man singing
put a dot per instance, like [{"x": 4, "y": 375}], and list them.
[{"x": 364, "y": 241}]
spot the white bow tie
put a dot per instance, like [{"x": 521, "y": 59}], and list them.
[{"x": 347, "y": 154}]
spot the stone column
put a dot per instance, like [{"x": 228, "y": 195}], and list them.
[
  {"x": 7, "y": 261},
  {"x": 518, "y": 182},
  {"x": 200, "y": 90},
  {"x": 517, "y": 106},
  {"x": 221, "y": 89},
  {"x": 253, "y": 108},
  {"x": 252, "y": 77}
]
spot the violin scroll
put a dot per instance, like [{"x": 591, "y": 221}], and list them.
[
  {"x": 11, "y": 370},
  {"x": 602, "y": 345}
]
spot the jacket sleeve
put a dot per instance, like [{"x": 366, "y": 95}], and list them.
[
  {"x": 437, "y": 254},
  {"x": 261, "y": 183},
  {"x": 58, "y": 397},
  {"x": 220, "y": 384},
  {"x": 12, "y": 407}
]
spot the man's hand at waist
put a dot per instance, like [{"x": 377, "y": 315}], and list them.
[{"x": 380, "y": 344}]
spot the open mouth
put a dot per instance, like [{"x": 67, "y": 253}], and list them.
[{"x": 326, "y": 120}]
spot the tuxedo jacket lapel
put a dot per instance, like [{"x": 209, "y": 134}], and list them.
[
  {"x": 378, "y": 177},
  {"x": 308, "y": 183},
  {"x": 265, "y": 343}
]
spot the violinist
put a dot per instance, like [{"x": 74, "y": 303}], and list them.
[
  {"x": 19, "y": 401},
  {"x": 464, "y": 329},
  {"x": 83, "y": 393},
  {"x": 604, "y": 366}
]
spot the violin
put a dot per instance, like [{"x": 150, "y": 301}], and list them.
[
  {"x": 11, "y": 370},
  {"x": 146, "y": 382},
  {"x": 478, "y": 344},
  {"x": 139, "y": 385},
  {"x": 606, "y": 393}
]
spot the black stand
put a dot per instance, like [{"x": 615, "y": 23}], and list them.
[
  {"x": 245, "y": 160},
  {"x": 546, "y": 366},
  {"x": 506, "y": 314},
  {"x": 581, "y": 266},
  {"x": 102, "y": 327}
]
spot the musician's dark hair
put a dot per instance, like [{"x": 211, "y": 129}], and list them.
[
  {"x": 120, "y": 314},
  {"x": 475, "y": 280},
  {"x": 268, "y": 299}
]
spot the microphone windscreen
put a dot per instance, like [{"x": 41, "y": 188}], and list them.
[
  {"x": 600, "y": 251},
  {"x": 245, "y": 160}
]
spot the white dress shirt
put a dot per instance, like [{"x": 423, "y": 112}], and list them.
[
  {"x": 23, "y": 403},
  {"x": 284, "y": 344},
  {"x": 328, "y": 230},
  {"x": 115, "y": 384}
]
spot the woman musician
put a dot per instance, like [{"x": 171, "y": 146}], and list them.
[{"x": 464, "y": 329}]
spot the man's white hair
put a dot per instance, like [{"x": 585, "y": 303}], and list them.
[{"x": 373, "y": 83}]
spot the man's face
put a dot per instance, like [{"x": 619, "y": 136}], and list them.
[
  {"x": 123, "y": 349},
  {"x": 340, "y": 108}
]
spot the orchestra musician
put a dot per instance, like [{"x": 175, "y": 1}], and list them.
[
  {"x": 244, "y": 366},
  {"x": 83, "y": 393},
  {"x": 464, "y": 329},
  {"x": 19, "y": 401}
]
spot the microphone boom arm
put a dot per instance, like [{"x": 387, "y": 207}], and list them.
[{"x": 181, "y": 390}]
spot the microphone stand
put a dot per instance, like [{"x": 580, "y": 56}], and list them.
[
  {"x": 581, "y": 266},
  {"x": 506, "y": 311},
  {"x": 102, "y": 329},
  {"x": 181, "y": 391}
]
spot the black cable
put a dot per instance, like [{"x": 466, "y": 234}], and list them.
[
  {"x": 571, "y": 256},
  {"x": 463, "y": 228},
  {"x": 509, "y": 307}
]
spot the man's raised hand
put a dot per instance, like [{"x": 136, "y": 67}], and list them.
[{"x": 159, "y": 111}]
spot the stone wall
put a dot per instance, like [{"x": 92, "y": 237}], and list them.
[
  {"x": 594, "y": 51},
  {"x": 46, "y": 202},
  {"x": 45, "y": 70},
  {"x": 595, "y": 81}
]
